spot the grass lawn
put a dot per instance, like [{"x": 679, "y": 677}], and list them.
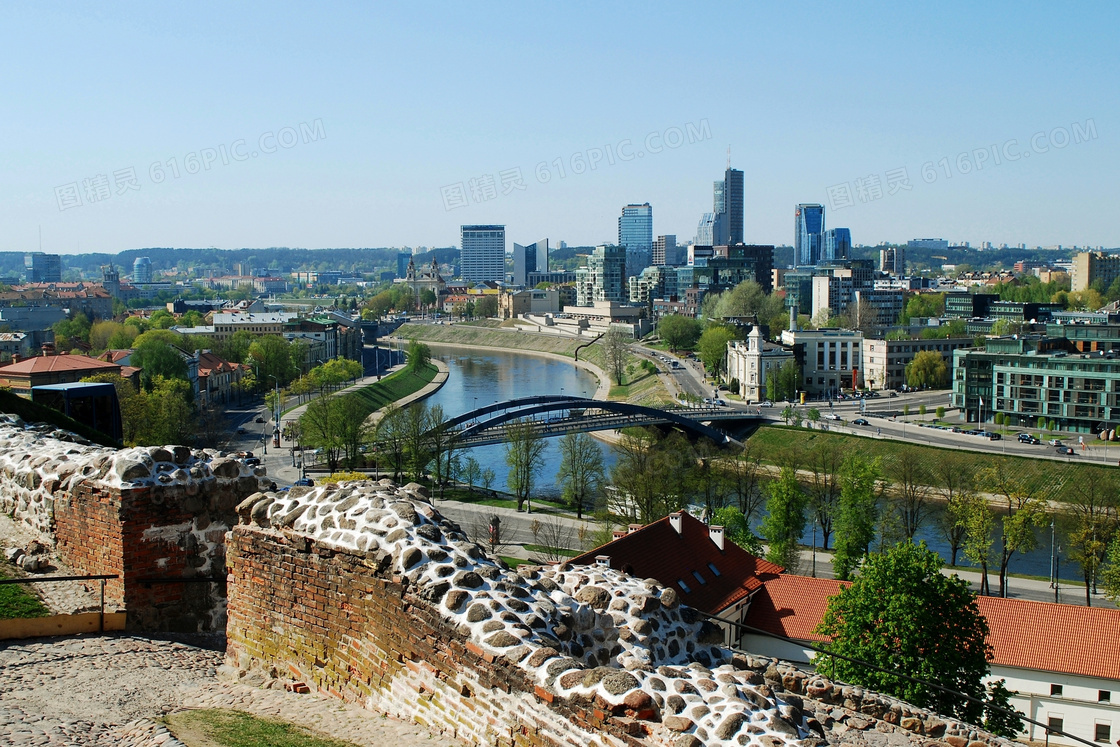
[
  {"x": 221, "y": 728},
  {"x": 395, "y": 386},
  {"x": 785, "y": 445},
  {"x": 17, "y": 602},
  {"x": 556, "y": 550}
]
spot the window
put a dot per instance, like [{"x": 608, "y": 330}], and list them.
[
  {"x": 1104, "y": 696},
  {"x": 715, "y": 570},
  {"x": 699, "y": 577},
  {"x": 1103, "y": 733},
  {"x": 683, "y": 585},
  {"x": 1055, "y": 724},
  {"x": 1055, "y": 689}
]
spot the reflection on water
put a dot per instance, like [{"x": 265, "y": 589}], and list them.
[{"x": 479, "y": 379}]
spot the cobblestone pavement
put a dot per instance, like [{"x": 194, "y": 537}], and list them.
[
  {"x": 105, "y": 691},
  {"x": 63, "y": 597}
]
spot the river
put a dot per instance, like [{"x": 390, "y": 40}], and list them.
[{"x": 480, "y": 378}]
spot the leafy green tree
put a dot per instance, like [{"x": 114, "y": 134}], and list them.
[
  {"x": 525, "y": 458},
  {"x": 940, "y": 412},
  {"x": 1024, "y": 512},
  {"x": 954, "y": 476},
  {"x": 785, "y": 519},
  {"x": 487, "y": 306},
  {"x": 487, "y": 477},
  {"x": 322, "y": 427},
  {"x": 1092, "y": 502},
  {"x": 1110, "y": 573},
  {"x": 270, "y": 356},
  {"x": 679, "y": 332},
  {"x": 158, "y": 358},
  {"x": 737, "y": 529},
  {"x": 978, "y": 520},
  {"x": 824, "y": 462},
  {"x": 1007, "y": 721},
  {"x": 713, "y": 347},
  {"x": 903, "y": 615},
  {"x": 857, "y": 514},
  {"x": 171, "y": 412},
  {"x": 911, "y": 491},
  {"x": 419, "y": 355},
  {"x": 471, "y": 470},
  {"x": 789, "y": 379},
  {"x": 161, "y": 319},
  {"x": 77, "y": 327},
  {"x": 580, "y": 475},
  {"x": 928, "y": 369}
]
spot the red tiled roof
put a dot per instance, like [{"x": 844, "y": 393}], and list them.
[
  {"x": 1054, "y": 637},
  {"x": 657, "y": 551},
  {"x": 792, "y": 606},
  {"x": 45, "y": 363},
  {"x": 1042, "y": 636}
]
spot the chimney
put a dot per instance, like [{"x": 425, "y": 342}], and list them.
[
  {"x": 618, "y": 533},
  {"x": 716, "y": 533},
  {"x": 675, "y": 520},
  {"x": 16, "y": 357},
  {"x": 631, "y": 528},
  {"x": 603, "y": 560}
]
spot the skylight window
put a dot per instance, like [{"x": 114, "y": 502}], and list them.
[
  {"x": 714, "y": 570},
  {"x": 683, "y": 585},
  {"x": 699, "y": 577}
]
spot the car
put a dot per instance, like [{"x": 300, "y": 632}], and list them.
[
  {"x": 860, "y": 421},
  {"x": 993, "y": 436},
  {"x": 304, "y": 482},
  {"x": 1066, "y": 450},
  {"x": 832, "y": 416},
  {"x": 241, "y": 431},
  {"x": 767, "y": 403},
  {"x": 253, "y": 461},
  {"x": 892, "y": 393},
  {"x": 1056, "y": 442},
  {"x": 260, "y": 419},
  {"x": 1024, "y": 438}
]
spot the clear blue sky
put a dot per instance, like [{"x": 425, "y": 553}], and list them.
[{"x": 414, "y": 99}]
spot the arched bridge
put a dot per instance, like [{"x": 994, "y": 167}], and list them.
[{"x": 553, "y": 415}]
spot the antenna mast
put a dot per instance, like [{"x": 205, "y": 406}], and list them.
[{"x": 729, "y": 156}]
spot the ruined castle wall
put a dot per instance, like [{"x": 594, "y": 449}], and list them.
[
  {"x": 155, "y": 516},
  {"x": 363, "y": 591}
]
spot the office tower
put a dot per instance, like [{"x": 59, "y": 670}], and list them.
[
  {"x": 482, "y": 253},
  {"x": 705, "y": 231},
  {"x": 837, "y": 245},
  {"x": 666, "y": 252},
  {"x": 142, "y": 270},
  {"x": 892, "y": 260},
  {"x": 604, "y": 277},
  {"x": 43, "y": 268},
  {"x": 635, "y": 235},
  {"x": 403, "y": 258},
  {"x": 733, "y": 204},
  {"x": 532, "y": 258},
  {"x": 808, "y": 233}
]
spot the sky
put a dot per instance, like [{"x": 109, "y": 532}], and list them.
[{"x": 391, "y": 124}]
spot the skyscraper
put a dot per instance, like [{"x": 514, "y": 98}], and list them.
[
  {"x": 635, "y": 235},
  {"x": 808, "y": 233},
  {"x": 666, "y": 252},
  {"x": 527, "y": 259},
  {"x": 142, "y": 270},
  {"x": 482, "y": 253},
  {"x": 837, "y": 245},
  {"x": 705, "y": 231},
  {"x": 727, "y": 209},
  {"x": 43, "y": 268},
  {"x": 604, "y": 277}
]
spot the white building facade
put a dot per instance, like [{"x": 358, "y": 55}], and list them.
[{"x": 751, "y": 360}]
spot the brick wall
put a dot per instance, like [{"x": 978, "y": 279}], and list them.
[{"x": 330, "y": 620}]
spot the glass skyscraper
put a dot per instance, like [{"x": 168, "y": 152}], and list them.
[
  {"x": 837, "y": 245},
  {"x": 528, "y": 259},
  {"x": 483, "y": 253},
  {"x": 808, "y": 233},
  {"x": 727, "y": 209},
  {"x": 635, "y": 235}
]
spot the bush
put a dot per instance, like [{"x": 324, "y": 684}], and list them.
[
  {"x": 940, "y": 413},
  {"x": 733, "y": 387}
]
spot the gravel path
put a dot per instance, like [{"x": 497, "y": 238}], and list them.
[{"x": 105, "y": 691}]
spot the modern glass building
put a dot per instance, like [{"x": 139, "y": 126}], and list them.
[
  {"x": 142, "y": 270},
  {"x": 727, "y": 209},
  {"x": 635, "y": 235},
  {"x": 666, "y": 251},
  {"x": 43, "y": 268},
  {"x": 604, "y": 277},
  {"x": 530, "y": 259},
  {"x": 483, "y": 253},
  {"x": 837, "y": 245},
  {"x": 808, "y": 233},
  {"x": 705, "y": 231}
]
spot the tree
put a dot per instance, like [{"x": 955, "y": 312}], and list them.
[
  {"x": 789, "y": 379},
  {"x": 679, "y": 332},
  {"x": 713, "y": 347},
  {"x": 857, "y": 514},
  {"x": 1092, "y": 505},
  {"x": 269, "y": 355},
  {"x": 158, "y": 358},
  {"x": 911, "y": 489},
  {"x": 824, "y": 491},
  {"x": 647, "y": 475},
  {"x": 354, "y": 430},
  {"x": 903, "y": 615},
  {"x": 416, "y": 444},
  {"x": 785, "y": 519},
  {"x": 1006, "y": 721},
  {"x": 77, "y": 327},
  {"x": 743, "y": 475},
  {"x": 525, "y": 458},
  {"x": 737, "y": 529},
  {"x": 170, "y": 412},
  {"x": 1024, "y": 512},
  {"x": 705, "y": 480},
  {"x": 487, "y": 477},
  {"x": 580, "y": 476},
  {"x": 321, "y": 424},
  {"x": 1110, "y": 574},
  {"x": 471, "y": 470},
  {"x": 390, "y": 436},
  {"x": 978, "y": 520},
  {"x": 487, "y": 306},
  {"x": 955, "y": 478},
  {"x": 616, "y": 351},
  {"x": 928, "y": 369},
  {"x": 418, "y": 356},
  {"x": 441, "y": 443}
]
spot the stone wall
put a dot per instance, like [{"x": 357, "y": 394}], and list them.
[
  {"x": 365, "y": 592},
  {"x": 155, "y": 516}
]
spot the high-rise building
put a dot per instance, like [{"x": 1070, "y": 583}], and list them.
[
  {"x": 482, "y": 253},
  {"x": 837, "y": 245},
  {"x": 43, "y": 268},
  {"x": 532, "y": 258},
  {"x": 604, "y": 277},
  {"x": 142, "y": 270},
  {"x": 635, "y": 235},
  {"x": 403, "y": 261},
  {"x": 936, "y": 245},
  {"x": 1094, "y": 267},
  {"x": 727, "y": 209},
  {"x": 808, "y": 233},
  {"x": 666, "y": 252},
  {"x": 892, "y": 260},
  {"x": 705, "y": 231}
]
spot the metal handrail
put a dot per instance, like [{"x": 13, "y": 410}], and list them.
[{"x": 48, "y": 579}]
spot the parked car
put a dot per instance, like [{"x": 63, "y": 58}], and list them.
[
  {"x": 241, "y": 431},
  {"x": 993, "y": 436},
  {"x": 860, "y": 421},
  {"x": 253, "y": 461},
  {"x": 260, "y": 419},
  {"x": 305, "y": 482}
]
